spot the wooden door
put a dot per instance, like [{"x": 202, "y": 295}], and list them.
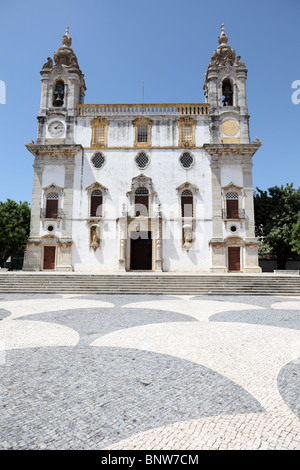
[
  {"x": 234, "y": 262},
  {"x": 232, "y": 209},
  {"x": 52, "y": 209},
  {"x": 49, "y": 257},
  {"x": 141, "y": 252}
]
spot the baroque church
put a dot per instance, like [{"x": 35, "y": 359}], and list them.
[{"x": 143, "y": 187}]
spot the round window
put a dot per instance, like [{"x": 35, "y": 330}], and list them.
[
  {"x": 186, "y": 160},
  {"x": 98, "y": 160},
  {"x": 142, "y": 160},
  {"x": 233, "y": 229},
  {"x": 50, "y": 228}
]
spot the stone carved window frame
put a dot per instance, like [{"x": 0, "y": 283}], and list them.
[
  {"x": 232, "y": 188},
  {"x": 187, "y": 224},
  {"x": 141, "y": 181},
  {"x": 191, "y": 155},
  {"x": 97, "y": 122},
  {"x": 52, "y": 188},
  {"x": 95, "y": 155},
  {"x": 90, "y": 189},
  {"x": 181, "y": 123},
  {"x": 142, "y": 121},
  {"x": 194, "y": 190},
  {"x": 138, "y": 155}
]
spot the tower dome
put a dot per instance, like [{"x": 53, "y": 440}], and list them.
[
  {"x": 64, "y": 54},
  {"x": 224, "y": 54}
]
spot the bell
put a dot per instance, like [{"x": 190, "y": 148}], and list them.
[
  {"x": 59, "y": 95},
  {"x": 227, "y": 95}
]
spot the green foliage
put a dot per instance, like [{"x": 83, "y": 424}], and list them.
[
  {"x": 277, "y": 212},
  {"x": 14, "y": 228},
  {"x": 296, "y": 236}
]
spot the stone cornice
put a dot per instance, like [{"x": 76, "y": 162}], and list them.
[
  {"x": 63, "y": 150},
  {"x": 225, "y": 150}
]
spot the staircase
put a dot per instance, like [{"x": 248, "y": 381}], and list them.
[{"x": 150, "y": 283}]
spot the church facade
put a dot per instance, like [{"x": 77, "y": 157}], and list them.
[{"x": 143, "y": 187}]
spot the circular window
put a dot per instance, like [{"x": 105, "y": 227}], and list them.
[
  {"x": 233, "y": 229},
  {"x": 186, "y": 160},
  {"x": 50, "y": 228},
  {"x": 142, "y": 160},
  {"x": 98, "y": 160}
]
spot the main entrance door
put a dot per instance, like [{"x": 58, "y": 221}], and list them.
[
  {"x": 234, "y": 262},
  {"x": 49, "y": 257},
  {"x": 141, "y": 252}
]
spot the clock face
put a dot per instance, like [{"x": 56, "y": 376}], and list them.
[{"x": 56, "y": 128}]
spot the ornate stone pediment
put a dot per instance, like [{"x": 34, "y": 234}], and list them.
[
  {"x": 53, "y": 188},
  {"x": 95, "y": 186},
  {"x": 141, "y": 181},
  {"x": 232, "y": 186},
  {"x": 187, "y": 185}
]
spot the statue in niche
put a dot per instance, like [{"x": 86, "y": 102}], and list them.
[{"x": 95, "y": 239}]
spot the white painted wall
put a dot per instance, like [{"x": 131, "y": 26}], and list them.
[{"x": 166, "y": 173}]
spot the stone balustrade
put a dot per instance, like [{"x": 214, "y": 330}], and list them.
[{"x": 93, "y": 110}]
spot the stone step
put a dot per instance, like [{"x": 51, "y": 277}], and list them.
[{"x": 135, "y": 283}]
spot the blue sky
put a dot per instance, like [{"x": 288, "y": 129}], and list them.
[{"x": 167, "y": 44}]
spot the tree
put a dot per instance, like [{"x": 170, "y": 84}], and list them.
[
  {"x": 14, "y": 228},
  {"x": 277, "y": 212},
  {"x": 296, "y": 236}
]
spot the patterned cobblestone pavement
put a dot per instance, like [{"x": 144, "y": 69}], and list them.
[{"x": 149, "y": 372}]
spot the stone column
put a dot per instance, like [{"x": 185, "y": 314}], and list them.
[
  {"x": 68, "y": 200},
  {"x": 44, "y": 105},
  {"x": 251, "y": 243},
  {"x": 248, "y": 199},
  {"x": 32, "y": 259},
  {"x": 36, "y": 201},
  {"x": 123, "y": 239},
  {"x": 158, "y": 244},
  {"x": 65, "y": 247},
  {"x": 218, "y": 254}
]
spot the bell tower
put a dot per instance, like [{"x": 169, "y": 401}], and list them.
[
  {"x": 63, "y": 88},
  {"x": 233, "y": 242},
  {"x": 225, "y": 91}
]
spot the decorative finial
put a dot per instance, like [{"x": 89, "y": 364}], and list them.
[
  {"x": 66, "y": 40},
  {"x": 223, "y": 39}
]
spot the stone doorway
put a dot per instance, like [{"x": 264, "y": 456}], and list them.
[
  {"x": 141, "y": 251},
  {"x": 234, "y": 258},
  {"x": 49, "y": 257}
]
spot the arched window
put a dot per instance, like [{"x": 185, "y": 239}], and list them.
[
  {"x": 187, "y": 203},
  {"x": 227, "y": 93},
  {"x": 141, "y": 201},
  {"x": 232, "y": 205},
  {"x": 52, "y": 206},
  {"x": 96, "y": 203},
  {"x": 59, "y": 93}
]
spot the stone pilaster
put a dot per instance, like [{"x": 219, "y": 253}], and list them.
[
  {"x": 217, "y": 245},
  {"x": 250, "y": 242}
]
